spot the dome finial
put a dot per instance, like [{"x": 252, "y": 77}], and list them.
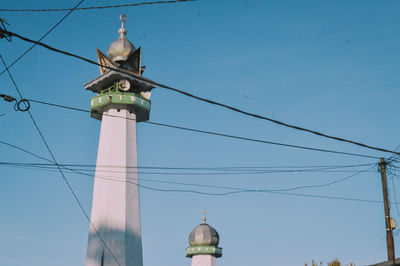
[
  {"x": 121, "y": 49},
  {"x": 204, "y": 216},
  {"x": 122, "y": 31}
]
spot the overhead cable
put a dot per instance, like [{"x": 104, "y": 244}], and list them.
[
  {"x": 216, "y": 168},
  {"x": 215, "y": 133},
  {"x": 100, "y": 174},
  {"x": 206, "y": 100},
  {"x": 392, "y": 171},
  {"x": 44, "y": 36},
  {"x": 95, "y": 7},
  {"x": 238, "y": 190},
  {"x": 3, "y": 23},
  {"x": 179, "y": 171}
]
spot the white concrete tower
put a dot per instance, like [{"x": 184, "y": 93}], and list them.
[
  {"x": 122, "y": 99},
  {"x": 203, "y": 241}
]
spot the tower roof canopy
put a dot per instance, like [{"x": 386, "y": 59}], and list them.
[{"x": 101, "y": 82}]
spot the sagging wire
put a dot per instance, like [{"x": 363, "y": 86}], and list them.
[
  {"x": 22, "y": 105},
  {"x": 3, "y": 27}
]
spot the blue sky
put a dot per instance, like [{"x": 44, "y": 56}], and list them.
[{"x": 329, "y": 66}]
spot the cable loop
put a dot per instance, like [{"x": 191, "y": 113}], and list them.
[
  {"x": 17, "y": 105},
  {"x": 26, "y": 107}
]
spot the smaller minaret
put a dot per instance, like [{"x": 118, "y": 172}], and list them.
[{"x": 203, "y": 241}]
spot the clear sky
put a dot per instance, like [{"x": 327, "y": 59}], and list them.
[{"x": 330, "y": 66}]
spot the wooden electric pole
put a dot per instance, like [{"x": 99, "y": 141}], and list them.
[{"x": 389, "y": 234}]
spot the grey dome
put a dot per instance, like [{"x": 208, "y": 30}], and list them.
[
  {"x": 204, "y": 235},
  {"x": 121, "y": 49}
]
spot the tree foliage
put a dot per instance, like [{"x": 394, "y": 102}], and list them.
[{"x": 334, "y": 262}]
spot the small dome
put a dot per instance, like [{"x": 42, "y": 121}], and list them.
[
  {"x": 204, "y": 235},
  {"x": 121, "y": 49}
]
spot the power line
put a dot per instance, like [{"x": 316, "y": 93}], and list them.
[
  {"x": 234, "y": 188},
  {"x": 95, "y": 7},
  {"x": 221, "y": 168},
  {"x": 262, "y": 141},
  {"x": 202, "y": 172},
  {"x": 44, "y": 36},
  {"x": 392, "y": 173},
  {"x": 393, "y": 157},
  {"x": 216, "y": 133},
  {"x": 24, "y": 150},
  {"x": 55, "y": 161},
  {"x": 79, "y": 171},
  {"x": 238, "y": 190},
  {"x": 3, "y": 23},
  {"x": 204, "y": 99}
]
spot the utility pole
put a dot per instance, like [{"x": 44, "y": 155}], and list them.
[{"x": 389, "y": 234}]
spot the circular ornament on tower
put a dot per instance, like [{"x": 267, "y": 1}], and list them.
[{"x": 124, "y": 85}]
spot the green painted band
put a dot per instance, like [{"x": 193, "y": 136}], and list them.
[
  {"x": 215, "y": 251},
  {"x": 133, "y": 99}
]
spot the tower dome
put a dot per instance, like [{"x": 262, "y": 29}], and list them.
[
  {"x": 204, "y": 235},
  {"x": 121, "y": 49},
  {"x": 203, "y": 245}
]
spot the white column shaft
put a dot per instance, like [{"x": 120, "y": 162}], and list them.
[{"x": 115, "y": 207}]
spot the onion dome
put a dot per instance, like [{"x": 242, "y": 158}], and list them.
[
  {"x": 204, "y": 235},
  {"x": 121, "y": 49},
  {"x": 204, "y": 240}
]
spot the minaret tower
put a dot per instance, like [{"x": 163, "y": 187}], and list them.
[
  {"x": 203, "y": 241},
  {"x": 122, "y": 100}
]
